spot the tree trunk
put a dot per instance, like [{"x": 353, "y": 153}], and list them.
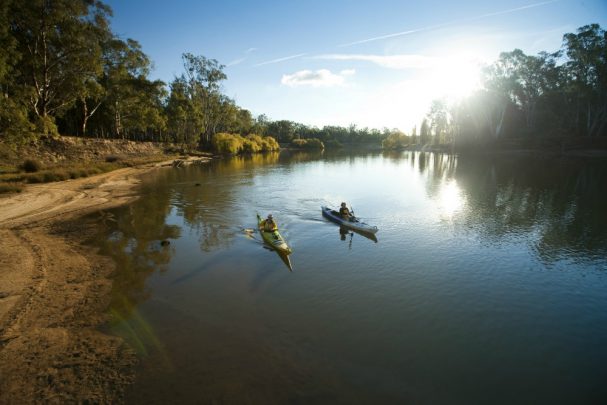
[
  {"x": 85, "y": 117},
  {"x": 117, "y": 126}
]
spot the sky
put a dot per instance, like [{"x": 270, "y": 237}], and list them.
[{"x": 373, "y": 63}]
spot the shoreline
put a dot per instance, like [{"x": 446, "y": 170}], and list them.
[{"x": 54, "y": 292}]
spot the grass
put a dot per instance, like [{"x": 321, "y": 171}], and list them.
[
  {"x": 13, "y": 179},
  {"x": 11, "y": 187}
]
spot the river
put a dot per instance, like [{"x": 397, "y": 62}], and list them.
[{"x": 487, "y": 282}]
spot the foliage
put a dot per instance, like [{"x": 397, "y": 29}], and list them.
[
  {"x": 396, "y": 140},
  {"x": 59, "y": 47},
  {"x": 312, "y": 144},
  {"x": 62, "y": 70},
  {"x": 225, "y": 143},
  {"x": 524, "y": 96},
  {"x": 228, "y": 143},
  {"x": 11, "y": 187},
  {"x": 112, "y": 158},
  {"x": 31, "y": 165}
]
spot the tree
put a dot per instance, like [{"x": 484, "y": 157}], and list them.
[
  {"x": 439, "y": 120},
  {"x": 424, "y": 133},
  {"x": 586, "y": 76},
  {"x": 60, "y": 50},
  {"x": 282, "y": 131},
  {"x": 203, "y": 79},
  {"x": 15, "y": 127}
]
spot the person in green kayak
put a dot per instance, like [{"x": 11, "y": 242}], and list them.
[
  {"x": 344, "y": 212},
  {"x": 268, "y": 224}
]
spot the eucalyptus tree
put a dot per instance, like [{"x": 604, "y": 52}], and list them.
[
  {"x": 184, "y": 122},
  {"x": 125, "y": 83},
  {"x": 59, "y": 45},
  {"x": 196, "y": 107},
  {"x": 14, "y": 124},
  {"x": 282, "y": 130},
  {"x": 260, "y": 125},
  {"x": 7, "y": 42},
  {"x": 586, "y": 78},
  {"x": 439, "y": 120},
  {"x": 424, "y": 133}
]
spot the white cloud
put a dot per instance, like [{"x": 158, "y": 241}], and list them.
[
  {"x": 318, "y": 78},
  {"x": 388, "y": 61}
]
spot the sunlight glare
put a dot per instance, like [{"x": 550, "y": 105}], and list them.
[
  {"x": 456, "y": 77},
  {"x": 450, "y": 198}
]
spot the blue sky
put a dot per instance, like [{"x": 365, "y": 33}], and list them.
[{"x": 371, "y": 63}]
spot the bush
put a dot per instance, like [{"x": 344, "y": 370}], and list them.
[
  {"x": 55, "y": 175},
  {"x": 396, "y": 140},
  {"x": 31, "y": 165},
  {"x": 11, "y": 187},
  {"x": 112, "y": 158},
  {"x": 332, "y": 144},
  {"x": 312, "y": 143},
  {"x": 228, "y": 143},
  {"x": 35, "y": 178},
  {"x": 234, "y": 143},
  {"x": 250, "y": 146},
  {"x": 271, "y": 143}
]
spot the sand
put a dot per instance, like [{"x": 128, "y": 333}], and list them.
[{"x": 54, "y": 292}]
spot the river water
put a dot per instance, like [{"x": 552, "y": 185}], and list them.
[{"x": 487, "y": 282}]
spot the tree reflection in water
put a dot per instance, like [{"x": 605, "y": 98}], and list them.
[{"x": 560, "y": 200}]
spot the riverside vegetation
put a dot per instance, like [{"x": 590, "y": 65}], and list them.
[{"x": 63, "y": 71}]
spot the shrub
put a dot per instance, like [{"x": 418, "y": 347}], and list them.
[
  {"x": 234, "y": 143},
  {"x": 396, "y": 140},
  {"x": 271, "y": 143},
  {"x": 312, "y": 143},
  {"x": 112, "y": 158},
  {"x": 31, "y": 165},
  {"x": 55, "y": 175},
  {"x": 228, "y": 143},
  {"x": 250, "y": 146},
  {"x": 333, "y": 144},
  {"x": 35, "y": 178},
  {"x": 11, "y": 187}
]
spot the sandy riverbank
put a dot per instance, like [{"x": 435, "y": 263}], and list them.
[{"x": 54, "y": 292}]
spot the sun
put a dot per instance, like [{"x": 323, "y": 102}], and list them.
[{"x": 455, "y": 77}]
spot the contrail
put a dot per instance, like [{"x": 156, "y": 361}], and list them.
[
  {"x": 280, "y": 59},
  {"x": 432, "y": 27}
]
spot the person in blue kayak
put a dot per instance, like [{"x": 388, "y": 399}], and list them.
[
  {"x": 268, "y": 224},
  {"x": 344, "y": 212}
]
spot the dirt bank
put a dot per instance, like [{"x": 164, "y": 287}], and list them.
[{"x": 54, "y": 292}]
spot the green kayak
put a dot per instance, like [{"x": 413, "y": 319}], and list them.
[{"x": 273, "y": 239}]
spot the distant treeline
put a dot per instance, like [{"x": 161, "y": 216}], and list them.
[
  {"x": 63, "y": 71},
  {"x": 551, "y": 95}
]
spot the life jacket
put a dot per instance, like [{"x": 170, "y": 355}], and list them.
[
  {"x": 269, "y": 225},
  {"x": 344, "y": 211}
]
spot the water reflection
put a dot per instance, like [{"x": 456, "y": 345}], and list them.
[
  {"x": 134, "y": 241},
  {"x": 365, "y": 322},
  {"x": 344, "y": 232},
  {"x": 286, "y": 259},
  {"x": 559, "y": 200}
]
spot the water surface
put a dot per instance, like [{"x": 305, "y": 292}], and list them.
[{"x": 487, "y": 283}]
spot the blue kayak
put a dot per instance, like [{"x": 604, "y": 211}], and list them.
[{"x": 353, "y": 223}]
